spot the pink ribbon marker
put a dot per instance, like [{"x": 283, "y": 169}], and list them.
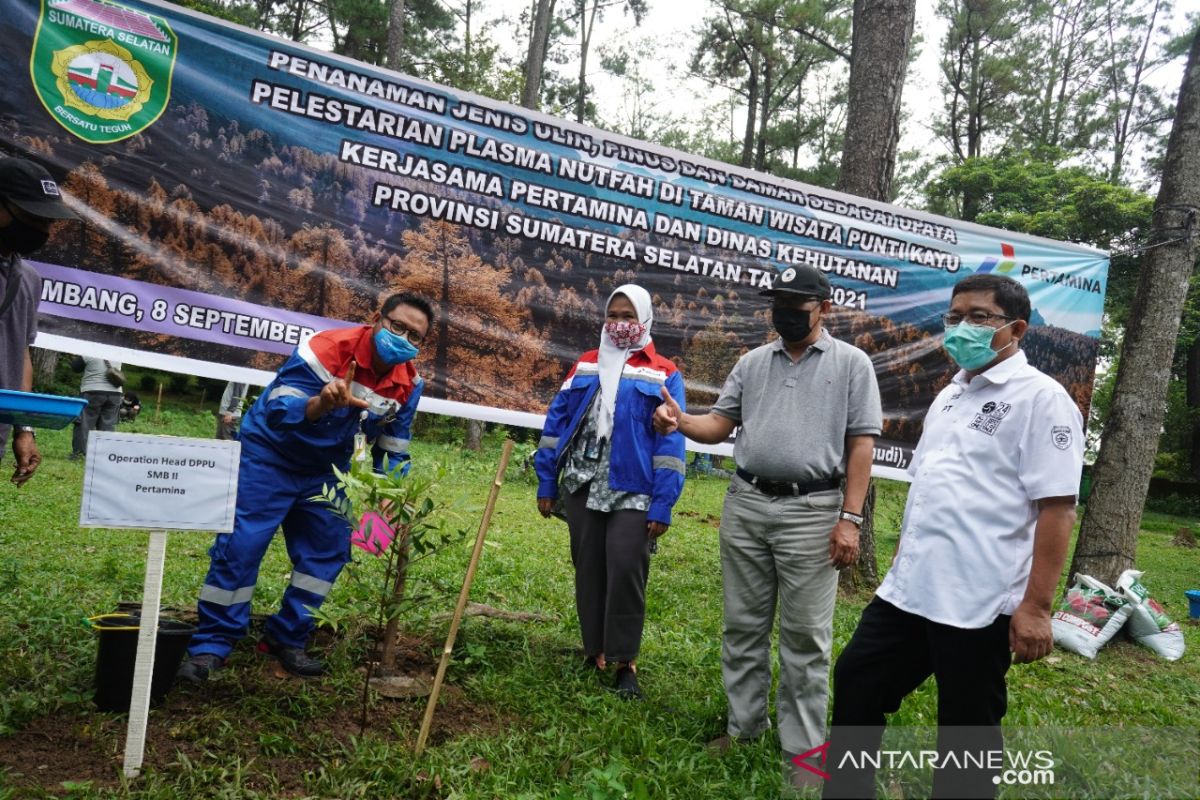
[{"x": 374, "y": 534}]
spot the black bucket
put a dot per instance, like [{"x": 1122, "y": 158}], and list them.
[{"x": 117, "y": 654}]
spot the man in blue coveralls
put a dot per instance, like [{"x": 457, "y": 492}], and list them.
[{"x": 336, "y": 385}]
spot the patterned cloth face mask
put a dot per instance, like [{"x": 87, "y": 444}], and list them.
[{"x": 625, "y": 334}]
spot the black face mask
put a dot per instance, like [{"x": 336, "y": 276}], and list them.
[
  {"x": 21, "y": 237},
  {"x": 792, "y": 325}
]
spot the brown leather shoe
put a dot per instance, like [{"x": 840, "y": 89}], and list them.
[
  {"x": 798, "y": 781},
  {"x": 723, "y": 744}
]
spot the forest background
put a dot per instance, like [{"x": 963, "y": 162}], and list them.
[
  {"x": 1045, "y": 118},
  {"x": 1084, "y": 175}
]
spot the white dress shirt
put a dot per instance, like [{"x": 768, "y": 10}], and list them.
[{"x": 991, "y": 448}]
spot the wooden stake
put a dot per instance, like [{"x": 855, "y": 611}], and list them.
[
  {"x": 143, "y": 665},
  {"x": 158, "y": 404},
  {"x": 427, "y": 722}
]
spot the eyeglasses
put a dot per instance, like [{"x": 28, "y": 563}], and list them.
[
  {"x": 975, "y": 318},
  {"x": 400, "y": 329}
]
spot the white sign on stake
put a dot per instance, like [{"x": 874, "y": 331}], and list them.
[{"x": 162, "y": 483}]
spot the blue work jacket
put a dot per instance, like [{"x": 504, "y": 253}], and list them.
[
  {"x": 276, "y": 432},
  {"x": 641, "y": 460}
]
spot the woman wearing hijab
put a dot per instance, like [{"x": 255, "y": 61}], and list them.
[{"x": 600, "y": 461}]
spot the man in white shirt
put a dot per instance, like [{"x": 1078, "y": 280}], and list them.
[{"x": 984, "y": 537}]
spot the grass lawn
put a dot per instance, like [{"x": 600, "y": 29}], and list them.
[{"x": 519, "y": 718}]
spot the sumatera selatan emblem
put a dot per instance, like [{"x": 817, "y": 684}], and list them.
[{"x": 102, "y": 69}]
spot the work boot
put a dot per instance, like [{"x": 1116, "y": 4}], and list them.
[
  {"x": 197, "y": 668},
  {"x": 293, "y": 659}
]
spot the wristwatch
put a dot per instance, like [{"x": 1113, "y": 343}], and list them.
[
  {"x": 850, "y": 516},
  {"x": 26, "y": 429}
]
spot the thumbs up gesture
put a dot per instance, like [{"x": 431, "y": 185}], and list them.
[{"x": 666, "y": 416}]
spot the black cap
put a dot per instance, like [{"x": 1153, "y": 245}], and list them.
[
  {"x": 30, "y": 188},
  {"x": 801, "y": 279}
]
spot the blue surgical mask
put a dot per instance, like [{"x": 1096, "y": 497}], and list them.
[
  {"x": 971, "y": 345},
  {"x": 392, "y": 348}
]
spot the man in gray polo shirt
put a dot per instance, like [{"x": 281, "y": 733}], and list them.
[
  {"x": 29, "y": 203},
  {"x": 807, "y": 411}
]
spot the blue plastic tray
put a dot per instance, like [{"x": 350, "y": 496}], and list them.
[{"x": 39, "y": 410}]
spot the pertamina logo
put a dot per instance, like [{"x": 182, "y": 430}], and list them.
[
  {"x": 1042, "y": 274},
  {"x": 101, "y": 69},
  {"x": 991, "y": 264}
]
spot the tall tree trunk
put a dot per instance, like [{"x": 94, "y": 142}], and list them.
[
  {"x": 585, "y": 41},
  {"x": 976, "y": 89},
  {"x": 799, "y": 110},
  {"x": 45, "y": 362},
  {"x": 1193, "y": 401},
  {"x": 395, "y": 38},
  {"x": 1121, "y": 477},
  {"x": 764, "y": 117},
  {"x": 468, "y": 60},
  {"x": 751, "y": 106},
  {"x": 878, "y": 63},
  {"x": 298, "y": 20},
  {"x": 474, "y": 436},
  {"x": 864, "y": 575},
  {"x": 535, "y": 61},
  {"x": 1122, "y": 119}
]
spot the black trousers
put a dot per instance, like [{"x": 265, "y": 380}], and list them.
[
  {"x": 891, "y": 653},
  {"x": 611, "y": 554}
]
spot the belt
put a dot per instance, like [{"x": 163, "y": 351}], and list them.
[{"x": 788, "y": 488}]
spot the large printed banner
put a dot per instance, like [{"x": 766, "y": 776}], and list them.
[{"x": 240, "y": 191}]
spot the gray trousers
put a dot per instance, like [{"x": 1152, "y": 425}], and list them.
[
  {"x": 226, "y": 431},
  {"x": 100, "y": 414},
  {"x": 611, "y": 554},
  {"x": 775, "y": 551}
]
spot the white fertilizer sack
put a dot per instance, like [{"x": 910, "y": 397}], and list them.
[
  {"x": 1149, "y": 624},
  {"x": 1089, "y": 615}
]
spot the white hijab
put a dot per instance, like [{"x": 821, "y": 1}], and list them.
[{"x": 612, "y": 359}]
